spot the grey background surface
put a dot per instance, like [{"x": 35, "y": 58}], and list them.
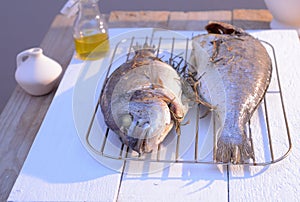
[{"x": 25, "y": 22}]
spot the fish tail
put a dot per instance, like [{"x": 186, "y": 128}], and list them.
[{"x": 236, "y": 151}]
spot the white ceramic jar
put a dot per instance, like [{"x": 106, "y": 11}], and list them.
[
  {"x": 36, "y": 73},
  {"x": 286, "y": 14}
]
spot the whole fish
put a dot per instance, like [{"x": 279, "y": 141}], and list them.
[
  {"x": 142, "y": 101},
  {"x": 237, "y": 70}
]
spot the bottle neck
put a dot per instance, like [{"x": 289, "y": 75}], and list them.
[
  {"x": 88, "y": 7},
  {"x": 89, "y": 20}
]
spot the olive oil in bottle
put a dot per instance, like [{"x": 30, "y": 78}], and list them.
[
  {"x": 90, "y": 31},
  {"x": 91, "y": 47}
]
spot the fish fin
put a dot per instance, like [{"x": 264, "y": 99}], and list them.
[
  {"x": 206, "y": 104},
  {"x": 139, "y": 48},
  {"x": 223, "y": 28},
  {"x": 233, "y": 152}
]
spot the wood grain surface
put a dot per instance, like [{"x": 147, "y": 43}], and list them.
[{"x": 23, "y": 114}]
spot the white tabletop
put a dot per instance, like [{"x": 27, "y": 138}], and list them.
[{"x": 58, "y": 167}]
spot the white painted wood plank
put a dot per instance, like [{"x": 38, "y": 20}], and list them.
[
  {"x": 58, "y": 167},
  {"x": 179, "y": 182},
  {"x": 279, "y": 181},
  {"x": 145, "y": 181}
]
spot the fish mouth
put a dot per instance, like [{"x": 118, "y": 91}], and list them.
[
  {"x": 147, "y": 122},
  {"x": 144, "y": 143}
]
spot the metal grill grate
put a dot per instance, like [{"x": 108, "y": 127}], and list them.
[{"x": 195, "y": 143}]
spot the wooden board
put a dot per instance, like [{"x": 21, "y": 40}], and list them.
[
  {"x": 23, "y": 114},
  {"x": 21, "y": 118},
  {"x": 139, "y": 19},
  {"x": 252, "y": 19},
  {"x": 196, "y": 20}
]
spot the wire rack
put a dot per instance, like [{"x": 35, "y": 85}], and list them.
[{"x": 195, "y": 143}]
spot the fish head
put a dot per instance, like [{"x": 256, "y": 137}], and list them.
[{"x": 147, "y": 122}]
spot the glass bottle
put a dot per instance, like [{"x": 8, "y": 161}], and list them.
[{"x": 90, "y": 31}]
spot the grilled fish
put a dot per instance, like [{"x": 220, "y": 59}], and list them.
[
  {"x": 238, "y": 70},
  {"x": 142, "y": 101}
]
